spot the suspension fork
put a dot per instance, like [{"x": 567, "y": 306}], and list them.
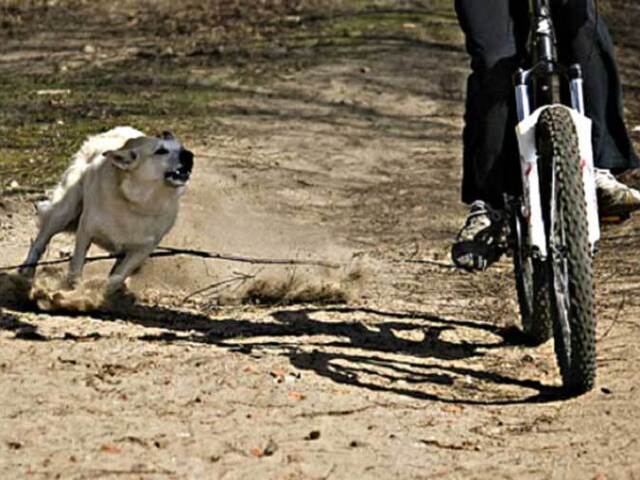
[{"x": 535, "y": 88}]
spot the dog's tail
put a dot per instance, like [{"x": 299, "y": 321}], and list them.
[{"x": 69, "y": 190}]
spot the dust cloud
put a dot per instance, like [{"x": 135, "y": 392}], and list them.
[{"x": 222, "y": 220}]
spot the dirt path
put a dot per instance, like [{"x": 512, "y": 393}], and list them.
[{"x": 353, "y": 159}]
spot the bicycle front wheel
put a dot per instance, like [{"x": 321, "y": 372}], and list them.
[
  {"x": 569, "y": 254},
  {"x": 532, "y": 286}
]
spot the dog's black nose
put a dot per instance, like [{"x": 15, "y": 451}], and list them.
[{"x": 186, "y": 159}]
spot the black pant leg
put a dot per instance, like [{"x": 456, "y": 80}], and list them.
[
  {"x": 495, "y": 32},
  {"x": 584, "y": 38}
]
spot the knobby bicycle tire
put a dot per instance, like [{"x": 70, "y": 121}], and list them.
[
  {"x": 532, "y": 287},
  {"x": 570, "y": 263}
]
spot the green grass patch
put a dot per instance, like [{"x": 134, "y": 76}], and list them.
[{"x": 45, "y": 119}]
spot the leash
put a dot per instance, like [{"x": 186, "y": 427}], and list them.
[{"x": 172, "y": 251}]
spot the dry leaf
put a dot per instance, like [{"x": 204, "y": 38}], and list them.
[
  {"x": 457, "y": 409},
  {"x": 293, "y": 395},
  {"x": 256, "y": 452},
  {"x": 110, "y": 448}
]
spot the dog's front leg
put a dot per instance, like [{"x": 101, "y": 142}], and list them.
[
  {"x": 126, "y": 266},
  {"x": 83, "y": 242}
]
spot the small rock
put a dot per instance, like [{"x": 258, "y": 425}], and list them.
[
  {"x": 278, "y": 374},
  {"x": 292, "y": 377},
  {"x": 161, "y": 443},
  {"x": 606, "y": 391},
  {"x": 313, "y": 435},
  {"x": 89, "y": 49},
  {"x": 527, "y": 358},
  {"x": 271, "y": 448},
  {"x": 267, "y": 451}
]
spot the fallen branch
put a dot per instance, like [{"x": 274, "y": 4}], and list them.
[
  {"x": 57, "y": 262},
  {"x": 465, "y": 445},
  {"x": 171, "y": 251}
]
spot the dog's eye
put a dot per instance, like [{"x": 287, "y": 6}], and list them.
[{"x": 161, "y": 151}]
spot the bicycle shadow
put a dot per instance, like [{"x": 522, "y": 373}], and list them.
[
  {"x": 360, "y": 347},
  {"x": 374, "y": 371}
]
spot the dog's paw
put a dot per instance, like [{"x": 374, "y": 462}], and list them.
[
  {"x": 119, "y": 300},
  {"x": 115, "y": 284}
]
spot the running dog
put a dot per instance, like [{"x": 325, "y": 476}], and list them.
[{"x": 120, "y": 192}]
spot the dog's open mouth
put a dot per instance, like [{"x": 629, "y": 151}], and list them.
[{"x": 178, "y": 177}]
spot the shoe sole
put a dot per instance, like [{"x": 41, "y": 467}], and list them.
[{"x": 621, "y": 213}]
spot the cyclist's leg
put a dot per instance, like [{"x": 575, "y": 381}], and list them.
[
  {"x": 584, "y": 38},
  {"x": 495, "y": 32}
]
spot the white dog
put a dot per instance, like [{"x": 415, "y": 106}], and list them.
[{"x": 120, "y": 192}]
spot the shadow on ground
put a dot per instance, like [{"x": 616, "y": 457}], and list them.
[{"x": 363, "y": 354}]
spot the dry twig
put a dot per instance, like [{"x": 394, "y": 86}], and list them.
[
  {"x": 615, "y": 319},
  {"x": 240, "y": 277}
]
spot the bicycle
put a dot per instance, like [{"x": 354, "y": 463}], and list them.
[{"x": 554, "y": 225}]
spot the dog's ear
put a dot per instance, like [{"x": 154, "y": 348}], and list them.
[
  {"x": 123, "y": 159},
  {"x": 166, "y": 135}
]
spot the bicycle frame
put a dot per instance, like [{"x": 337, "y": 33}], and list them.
[{"x": 535, "y": 90}]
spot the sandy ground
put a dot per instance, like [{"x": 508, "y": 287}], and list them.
[{"x": 418, "y": 375}]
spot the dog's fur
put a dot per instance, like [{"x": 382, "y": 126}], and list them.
[{"x": 120, "y": 192}]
